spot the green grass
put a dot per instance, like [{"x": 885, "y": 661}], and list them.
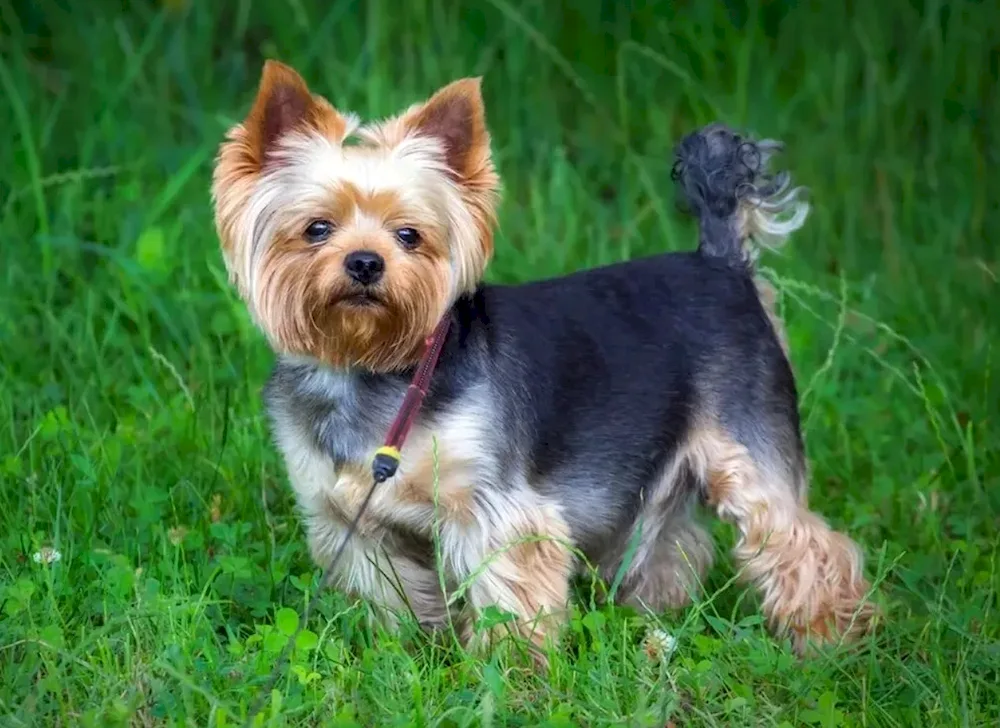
[{"x": 131, "y": 431}]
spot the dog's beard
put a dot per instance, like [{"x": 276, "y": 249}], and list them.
[{"x": 343, "y": 325}]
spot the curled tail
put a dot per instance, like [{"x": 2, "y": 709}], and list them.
[{"x": 739, "y": 204}]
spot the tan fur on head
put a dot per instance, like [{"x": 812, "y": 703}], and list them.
[
  {"x": 287, "y": 165},
  {"x": 455, "y": 116}
]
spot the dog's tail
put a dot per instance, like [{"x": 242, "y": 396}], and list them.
[{"x": 740, "y": 205}]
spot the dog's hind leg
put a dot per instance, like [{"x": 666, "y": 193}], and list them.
[
  {"x": 809, "y": 575},
  {"x": 667, "y": 552}
]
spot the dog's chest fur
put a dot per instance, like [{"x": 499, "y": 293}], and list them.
[
  {"x": 328, "y": 425},
  {"x": 343, "y": 414}
]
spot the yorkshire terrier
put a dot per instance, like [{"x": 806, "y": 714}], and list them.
[{"x": 571, "y": 423}]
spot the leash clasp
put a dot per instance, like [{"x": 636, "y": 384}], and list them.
[{"x": 385, "y": 463}]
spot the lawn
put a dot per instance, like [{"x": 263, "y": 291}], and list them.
[{"x": 132, "y": 441}]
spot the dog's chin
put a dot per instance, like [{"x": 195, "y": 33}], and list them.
[{"x": 359, "y": 300}]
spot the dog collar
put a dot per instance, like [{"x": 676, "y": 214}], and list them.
[{"x": 387, "y": 457}]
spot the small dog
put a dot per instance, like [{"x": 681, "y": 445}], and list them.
[{"x": 570, "y": 421}]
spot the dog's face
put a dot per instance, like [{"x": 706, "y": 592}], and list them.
[{"x": 349, "y": 243}]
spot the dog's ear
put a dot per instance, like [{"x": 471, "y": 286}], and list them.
[
  {"x": 448, "y": 134},
  {"x": 456, "y": 117},
  {"x": 284, "y": 104}
]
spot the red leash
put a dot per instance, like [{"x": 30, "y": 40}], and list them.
[{"x": 388, "y": 456}]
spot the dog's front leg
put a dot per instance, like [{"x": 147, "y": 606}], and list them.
[{"x": 512, "y": 551}]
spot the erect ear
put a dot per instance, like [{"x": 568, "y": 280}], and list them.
[
  {"x": 455, "y": 116},
  {"x": 285, "y": 104}
]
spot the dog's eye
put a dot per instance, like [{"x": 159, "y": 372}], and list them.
[
  {"x": 318, "y": 231},
  {"x": 408, "y": 237}
]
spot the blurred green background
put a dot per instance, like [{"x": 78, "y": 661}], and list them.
[{"x": 131, "y": 436}]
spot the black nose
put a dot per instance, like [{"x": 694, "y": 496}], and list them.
[{"x": 364, "y": 266}]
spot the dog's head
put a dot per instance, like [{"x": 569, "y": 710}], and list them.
[{"x": 348, "y": 242}]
